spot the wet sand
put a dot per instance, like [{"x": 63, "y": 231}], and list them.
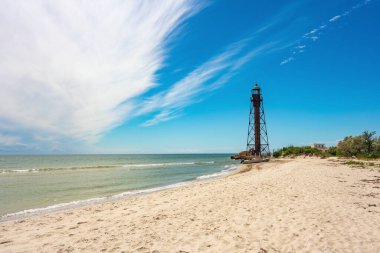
[{"x": 299, "y": 205}]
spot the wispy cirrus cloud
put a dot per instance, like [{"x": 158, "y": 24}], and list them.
[
  {"x": 335, "y": 18},
  {"x": 167, "y": 103},
  {"x": 195, "y": 86},
  {"x": 289, "y": 59},
  {"x": 315, "y": 33},
  {"x": 67, "y": 68}
]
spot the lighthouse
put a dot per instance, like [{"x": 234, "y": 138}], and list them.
[{"x": 257, "y": 140}]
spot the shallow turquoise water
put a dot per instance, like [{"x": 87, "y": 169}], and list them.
[{"x": 28, "y": 182}]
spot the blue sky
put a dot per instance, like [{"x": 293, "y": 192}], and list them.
[{"x": 175, "y": 76}]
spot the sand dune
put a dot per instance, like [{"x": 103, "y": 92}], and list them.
[{"x": 303, "y": 205}]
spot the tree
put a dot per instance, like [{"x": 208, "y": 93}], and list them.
[
  {"x": 364, "y": 145},
  {"x": 369, "y": 139},
  {"x": 344, "y": 146},
  {"x": 351, "y": 146}
]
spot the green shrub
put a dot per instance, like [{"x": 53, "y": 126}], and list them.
[
  {"x": 292, "y": 150},
  {"x": 364, "y": 146}
]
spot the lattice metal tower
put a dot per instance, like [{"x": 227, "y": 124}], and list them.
[{"x": 257, "y": 141}]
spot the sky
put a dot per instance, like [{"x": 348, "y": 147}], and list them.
[{"x": 174, "y": 76}]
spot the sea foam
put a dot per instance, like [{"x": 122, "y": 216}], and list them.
[
  {"x": 229, "y": 169},
  {"x": 142, "y": 165}
]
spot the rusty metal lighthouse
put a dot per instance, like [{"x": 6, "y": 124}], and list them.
[{"x": 257, "y": 140}]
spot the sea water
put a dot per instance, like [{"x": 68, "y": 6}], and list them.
[{"x": 33, "y": 183}]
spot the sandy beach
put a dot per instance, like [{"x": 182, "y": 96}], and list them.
[{"x": 298, "y": 205}]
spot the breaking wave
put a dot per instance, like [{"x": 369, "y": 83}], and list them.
[
  {"x": 142, "y": 165},
  {"x": 228, "y": 170}
]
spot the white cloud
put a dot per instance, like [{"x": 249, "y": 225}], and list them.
[
  {"x": 361, "y": 4},
  {"x": 314, "y": 34},
  {"x": 185, "y": 91},
  {"x": 163, "y": 116},
  {"x": 334, "y": 18},
  {"x": 289, "y": 59},
  {"x": 195, "y": 86},
  {"x": 314, "y": 38},
  {"x": 67, "y": 68}
]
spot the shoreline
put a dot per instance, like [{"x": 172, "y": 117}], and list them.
[
  {"x": 67, "y": 206},
  {"x": 297, "y": 205}
]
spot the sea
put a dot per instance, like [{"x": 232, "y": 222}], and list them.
[{"x": 31, "y": 184}]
